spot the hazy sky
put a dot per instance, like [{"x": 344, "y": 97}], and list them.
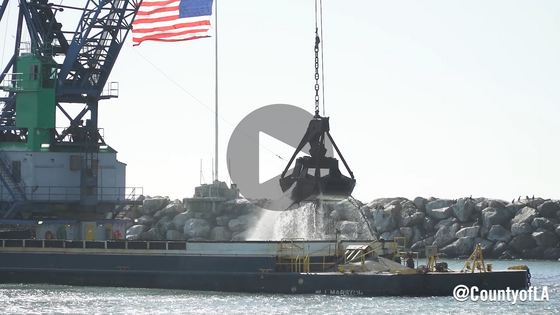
[{"x": 426, "y": 98}]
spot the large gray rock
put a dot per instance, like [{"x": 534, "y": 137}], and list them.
[
  {"x": 407, "y": 232},
  {"x": 387, "y": 201},
  {"x": 535, "y": 203},
  {"x": 492, "y": 216},
  {"x": 146, "y": 220},
  {"x": 445, "y": 234},
  {"x": 420, "y": 203},
  {"x": 510, "y": 254},
  {"x": 521, "y": 228},
  {"x": 486, "y": 245},
  {"x": 365, "y": 209},
  {"x": 152, "y": 205},
  {"x": 548, "y": 209},
  {"x": 171, "y": 210},
  {"x": 480, "y": 205},
  {"x": 158, "y": 215},
  {"x": 164, "y": 224},
  {"x": 545, "y": 239},
  {"x": 514, "y": 208},
  {"x": 407, "y": 204},
  {"x": 498, "y": 233},
  {"x": 525, "y": 215},
  {"x": 239, "y": 206},
  {"x": 542, "y": 223},
  {"x": 390, "y": 235},
  {"x": 240, "y": 236},
  {"x": 394, "y": 207},
  {"x": 533, "y": 253},
  {"x": 410, "y": 217},
  {"x": 383, "y": 220},
  {"x": 375, "y": 204},
  {"x": 429, "y": 240},
  {"x": 242, "y": 223},
  {"x": 220, "y": 233},
  {"x": 135, "y": 232},
  {"x": 521, "y": 242},
  {"x": 499, "y": 249},
  {"x": 223, "y": 220},
  {"x": 209, "y": 216},
  {"x": 476, "y": 218},
  {"x": 463, "y": 209},
  {"x": 418, "y": 246},
  {"x": 471, "y": 231},
  {"x": 484, "y": 231},
  {"x": 196, "y": 228},
  {"x": 416, "y": 234},
  {"x": 448, "y": 221},
  {"x": 134, "y": 213},
  {"x": 180, "y": 219},
  {"x": 206, "y": 205},
  {"x": 494, "y": 203},
  {"x": 349, "y": 228},
  {"x": 439, "y": 213},
  {"x": 557, "y": 230},
  {"x": 438, "y": 204},
  {"x": 552, "y": 253},
  {"x": 462, "y": 246},
  {"x": 153, "y": 235},
  {"x": 428, "y": 224},
  {"x": 366, "y": 230},
  {"x": 174, "y": 235}
]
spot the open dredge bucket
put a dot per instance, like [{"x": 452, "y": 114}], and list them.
[{"x": 317, "y": 176}]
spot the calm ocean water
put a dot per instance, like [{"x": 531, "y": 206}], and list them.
[{"x": 49, "y": 299}]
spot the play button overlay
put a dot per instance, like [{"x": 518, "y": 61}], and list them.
[
  {"x": 274, "y": 155},
  {"x": 260, "y": 148}
]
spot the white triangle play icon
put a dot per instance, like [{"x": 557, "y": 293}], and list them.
[{"x": 274, "y": 155}]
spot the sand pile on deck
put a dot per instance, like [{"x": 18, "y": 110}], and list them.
[{"x": 376, "y": 265}]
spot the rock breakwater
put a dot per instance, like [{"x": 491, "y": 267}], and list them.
[{"x": 524, "y": 228}]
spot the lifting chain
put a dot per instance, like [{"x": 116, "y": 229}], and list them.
[{"x": 317, "y": 41}]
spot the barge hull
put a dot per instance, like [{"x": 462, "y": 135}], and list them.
[
  {"x": 248, "y": 267},
  {"x": 359, "y": 284}
]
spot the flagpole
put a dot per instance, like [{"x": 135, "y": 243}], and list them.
[{"x": 216, "y": 78}]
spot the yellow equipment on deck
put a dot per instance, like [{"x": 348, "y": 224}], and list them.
[{"x": 477, "y": 261}]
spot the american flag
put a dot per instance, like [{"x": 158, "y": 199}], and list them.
[{"x": 171, "y": 20}]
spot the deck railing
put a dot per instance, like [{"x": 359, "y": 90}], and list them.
[
  {"x": 292, "y": 256},
  {"x": 112, "y": 244},
  {"x": 73, "y": 193}
]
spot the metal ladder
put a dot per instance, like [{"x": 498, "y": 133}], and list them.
[
  {"x": 293, "y": 250},
  {"x": 15, "y": 190}
]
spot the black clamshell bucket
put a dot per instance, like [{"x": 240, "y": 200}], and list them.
[{"x": 317, "y": 176}]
